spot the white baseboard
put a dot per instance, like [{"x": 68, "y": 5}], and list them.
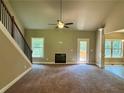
[
  {"x": 114, "y": 63},
  {"x": 54, "y": 63},
  {"x": 43, "y": 62},
  {"x": 14, "y": 81},
  {"x": 60, "y": 63}
]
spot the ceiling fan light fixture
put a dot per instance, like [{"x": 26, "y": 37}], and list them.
[{"x": 60, "y": 24}]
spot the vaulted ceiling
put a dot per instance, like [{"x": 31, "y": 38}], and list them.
[{"x": 87, "y": 15}]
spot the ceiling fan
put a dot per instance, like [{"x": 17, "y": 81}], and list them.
[{"x": 60, "y": 24}]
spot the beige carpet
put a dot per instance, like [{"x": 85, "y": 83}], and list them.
[{"x": 68, "y": 79}]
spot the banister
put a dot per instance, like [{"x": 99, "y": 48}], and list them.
[
  {"x": 9, "y": 22},
  {"x": 21, "y": 33}
]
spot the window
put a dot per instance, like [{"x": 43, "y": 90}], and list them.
[
  {"x": 38, "y": 47},
  {"x": 113, "y": 48},
  {"x": 117, "y": 48},
  {"x": 107, "y": 48}
]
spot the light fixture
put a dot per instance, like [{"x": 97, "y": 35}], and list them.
[{"x": 60, "y": 24}]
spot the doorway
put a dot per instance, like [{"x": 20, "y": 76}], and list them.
[{"x": 83, "y": 51}]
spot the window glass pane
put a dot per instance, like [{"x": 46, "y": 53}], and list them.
[
  {"x": 107, "y": 44},
  {"x": 117, "y": 44},
  {"x": 113, "y": 48},
  {"x": 38, "y": 47},
  {"x": 107, "y": 52},
  {"x": 83, "y": 45},
  {"x": 83, "y": 50},
  {"x": 117, "y": 53},
  {"x": 37, "y": 42},
  {"x": 37, "y": 52}
]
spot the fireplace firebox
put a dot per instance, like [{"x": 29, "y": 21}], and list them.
[{"x": 60, "y": 58}]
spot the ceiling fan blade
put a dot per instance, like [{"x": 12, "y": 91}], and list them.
[
  {"x": 51, "y": 24},
  {"x": 66, "y": 26},
  {"x": 69, "y": 23}
]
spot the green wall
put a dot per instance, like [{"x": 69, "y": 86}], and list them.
[{"x": 69, "y": 46}]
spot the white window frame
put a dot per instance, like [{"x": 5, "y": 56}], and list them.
[{"x": 113, "y": 48}]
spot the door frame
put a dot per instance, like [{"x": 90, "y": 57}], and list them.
[{"x": 78, "y": 49}]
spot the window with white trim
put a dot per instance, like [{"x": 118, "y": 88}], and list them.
[
  {"x": 38, "y": 47},
  {"x": 113, "y": 48}
]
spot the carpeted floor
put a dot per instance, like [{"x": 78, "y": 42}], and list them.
[
  {"x": 116, "y": 69},
  {"x": 68, "y": 79}
]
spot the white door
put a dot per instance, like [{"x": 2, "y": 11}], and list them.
[{"x": 83, "y": 48}]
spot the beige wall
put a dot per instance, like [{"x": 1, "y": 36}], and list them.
[
  {"x": 69, "y": 46},
  {"x": 13, "y": 62},
  {"x": 114, "y": 60},
  {"x": 114, "y": 36},
  {"x": 115, "y": 20}
]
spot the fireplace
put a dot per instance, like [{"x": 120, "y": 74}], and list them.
[{"x": 60, "y": 58}]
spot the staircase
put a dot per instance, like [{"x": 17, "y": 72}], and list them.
[{"x": 9, "y": 23}]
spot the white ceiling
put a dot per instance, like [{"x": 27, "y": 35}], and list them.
[{"x": 87, "y": 15}]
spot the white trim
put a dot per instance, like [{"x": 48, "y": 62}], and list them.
[
  {"x": 7, "y": 34},
  {"x": 14, "y": 81},
  {"x": 61, "y": 63},
  {"x": 43, "y": 62},
  {"x": 88, "y": 48},
  {"x": 114, "y": 63},
  {"x": 121, "y": 30}
]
